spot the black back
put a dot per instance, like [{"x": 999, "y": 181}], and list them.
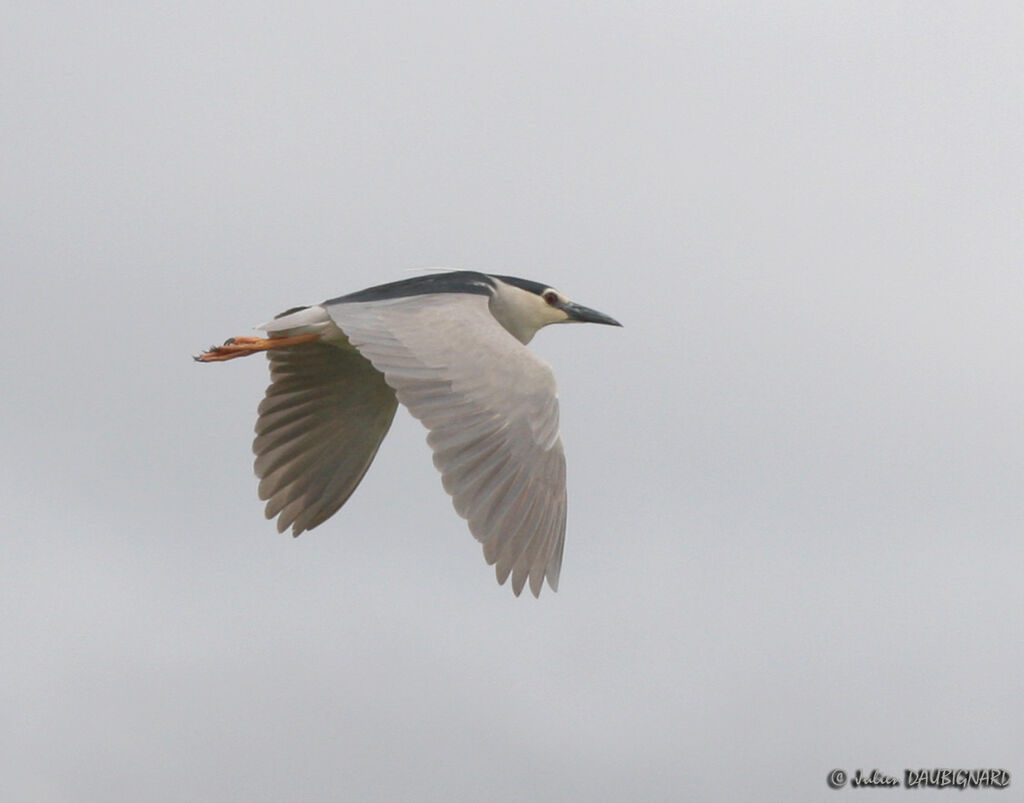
[{"x": 459, "y": 281}]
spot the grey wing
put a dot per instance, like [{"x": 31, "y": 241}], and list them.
[
  {"x": 320, "y": 424},
  {"x": 492, "y": 410}
]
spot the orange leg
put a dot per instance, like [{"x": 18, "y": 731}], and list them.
[{"x": 244, "y": 346}]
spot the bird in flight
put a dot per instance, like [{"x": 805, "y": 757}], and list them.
[{"x": 451, "y": 348}]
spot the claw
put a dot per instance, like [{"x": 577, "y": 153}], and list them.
[{"x": 243, "y": 346}]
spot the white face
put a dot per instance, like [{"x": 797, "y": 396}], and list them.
[
  {"x": 522, "y": 313},
  {"x": 550, "y": 309},
  {"x": 553, "y": 298}
]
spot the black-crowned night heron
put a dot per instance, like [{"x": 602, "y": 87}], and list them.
[{"x": 450, "y": 347}]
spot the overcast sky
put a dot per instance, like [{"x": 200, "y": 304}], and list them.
[{"x": 796, "y": 476}]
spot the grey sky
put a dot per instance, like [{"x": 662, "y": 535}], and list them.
[{"x": 795, "y": 476}]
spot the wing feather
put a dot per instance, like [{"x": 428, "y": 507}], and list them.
[
  {"x": 491, "y": 408},
  {"x": 323, "y": 417}
]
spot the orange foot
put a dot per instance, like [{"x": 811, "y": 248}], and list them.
[{"x": 244, "y": 346}]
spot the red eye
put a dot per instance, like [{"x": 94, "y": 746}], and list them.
[{"x": 551, "y": 298}]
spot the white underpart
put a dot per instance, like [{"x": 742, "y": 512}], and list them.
[
  {"x": 310, "y": 320},
  {"x": 521, "y": 312}
]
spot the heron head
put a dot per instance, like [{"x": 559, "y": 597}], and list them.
[{"x": 523, "y": 307}]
